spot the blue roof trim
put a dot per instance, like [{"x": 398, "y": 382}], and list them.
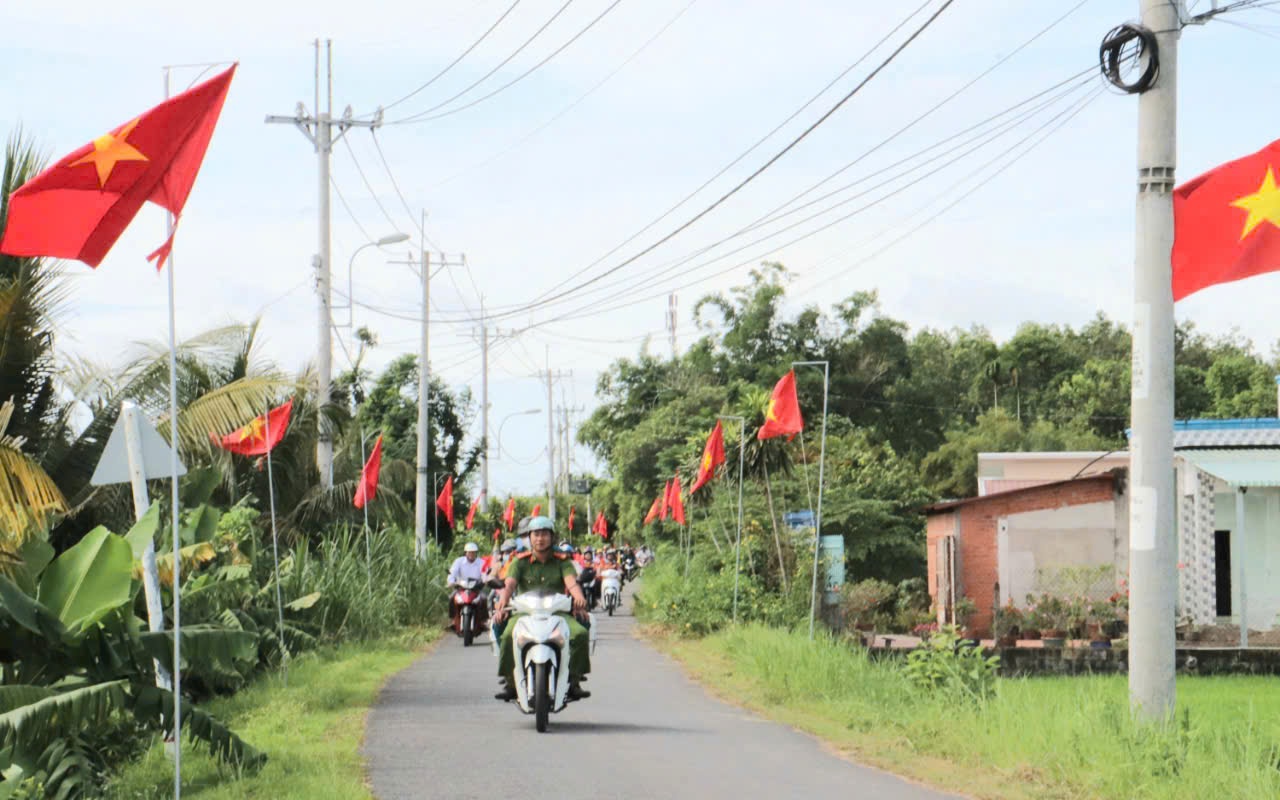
[{"x": 1254, "y": 424}]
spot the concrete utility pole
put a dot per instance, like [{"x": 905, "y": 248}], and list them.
[
  {"x": 1152, "y": 545},
  {"x": 551, "y": 377},
  {"x": 673, "y": 322},
  {"x": 484, "y": 411},
  {"x": 318, "y": 129}
]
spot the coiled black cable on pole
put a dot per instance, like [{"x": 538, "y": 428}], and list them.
[{"x": 1126, "y": 44}]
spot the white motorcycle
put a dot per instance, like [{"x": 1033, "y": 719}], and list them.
[
  {"x": 611, "y": 589},
  {"x": 541, "y": 641}
]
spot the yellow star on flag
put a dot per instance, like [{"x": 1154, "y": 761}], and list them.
[
  {"x": 770, "y": 413},
  {"x": 109, "y": 149},
  {"x": 253, "y": 430},
  {"x": 706, "y": 462},
  {"x": 1263, "y": 205}
]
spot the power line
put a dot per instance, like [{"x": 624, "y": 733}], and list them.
[
  {"x": 488, "y": 74},
  {"x": 743, "y": 155},
  {"x": 421, "y": 118},
  {"x": 396, "y": 185},
  {"x": 514, "y": 145},
  {"x": 454, "y": 63}
]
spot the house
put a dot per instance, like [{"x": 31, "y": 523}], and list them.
[{"x": 1037, "y": 513}]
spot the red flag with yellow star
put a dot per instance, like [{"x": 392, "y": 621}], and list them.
[
  {"x": 260, "y": 435},
  {"x": 1227, "y": 223},
  {"x": 79, "y": 207},
  {"x": 712, "y": 457},
  {"x": 782, "y": 417},
  {"x": 367, "y": 489},
  {"x": 445, "y": 501}
]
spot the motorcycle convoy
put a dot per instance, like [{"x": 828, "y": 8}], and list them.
[{"x": 541, "y": 635}]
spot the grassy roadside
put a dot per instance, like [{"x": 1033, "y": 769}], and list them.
[
  {"x": 1039, "y": 738},
  {"x": 310, "y": 730}
]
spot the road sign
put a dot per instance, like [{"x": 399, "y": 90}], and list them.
[
  {"x": 113, "y": 467},
  {"x": 833, "y": 559}
]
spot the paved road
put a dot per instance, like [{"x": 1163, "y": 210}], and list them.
[{"x": 647, "y": 732}]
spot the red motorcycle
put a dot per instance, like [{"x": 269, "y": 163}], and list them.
[{"x": 469, "y": 611}]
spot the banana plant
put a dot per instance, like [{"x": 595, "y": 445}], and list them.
[{"x": 74, "y": 655}]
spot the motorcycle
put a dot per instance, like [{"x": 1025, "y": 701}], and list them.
[
  {"x": 611, "y": 585},
  {"x": 541, "y": 641},
  {"x": 590, "y": 587},
  {"x": 630, "y": 569},
  {"x": 472, "y": 612}
]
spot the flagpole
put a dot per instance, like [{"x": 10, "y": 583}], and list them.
[
  {"x": 368, "y": 547},
  {"x": 822, "y": 461},
  {"x": 177, "y": 539},
  {"x": 737, "y": 548},
  {"x": 275, "y": 547}
]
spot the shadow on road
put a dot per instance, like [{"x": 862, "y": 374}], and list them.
[{"x": 615, "y": 727}]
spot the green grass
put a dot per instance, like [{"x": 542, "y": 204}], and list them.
[
  {"x": 310, "y": 730},
  {"x": 1038, "y": 738}
]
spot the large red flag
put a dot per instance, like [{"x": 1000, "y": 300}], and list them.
[
  {"x": 570, "y": 525},
  {"x": 712, "y": 457},
  {"x": 509, "y": 516},
  {"x": 471, "y": 513},
  {"x": 666, "y": 501},
  {"x": 601, "y": 527},
  {"x": 445, "y": 501},
  {"x": 368, "y": 488},
  {"x": 79, "y": 207},
  {"x": 260, "y": 435},
  {"x": 1226, "y": 223},
  {"x": 782, "y": 418},
  {"x": 677, "y": 502},
  {"x": 654, "y": 510}
]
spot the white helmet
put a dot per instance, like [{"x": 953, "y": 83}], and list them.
[{"x": 471, "y": 547}]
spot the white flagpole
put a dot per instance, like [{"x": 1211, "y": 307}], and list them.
[
  {"x": 737, "y": 548},
  {"x": 368, "y": 547},
  {"x": 275, "y": 549},
  {"x": 822, "y": 460},
  {"x": 177, "y": 539}
]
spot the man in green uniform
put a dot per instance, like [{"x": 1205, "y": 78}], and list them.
[{"x": 541, "y": 568}]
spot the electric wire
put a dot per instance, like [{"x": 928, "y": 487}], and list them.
[
  {"x": 517, "y": 143},
  {"x": 455, "y": 62},
  {"x": 365, "y": 178},
  {"x": 742, "y": 155},
  {"x": 414, "y": 221},
  {"x": 420, "y": 118},
  {"x": 488, "y": 74}
]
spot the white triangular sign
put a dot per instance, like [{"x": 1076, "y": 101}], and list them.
[{"x": 113, "y": 467}]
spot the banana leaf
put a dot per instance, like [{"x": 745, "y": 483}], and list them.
[
  {"x": 154, "y": 706},
  {"x": 88, "y": 581}
]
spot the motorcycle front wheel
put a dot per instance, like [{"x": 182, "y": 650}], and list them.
[
  {"x": 541, "y": 696},
  {"x": 468, "y": 627}
]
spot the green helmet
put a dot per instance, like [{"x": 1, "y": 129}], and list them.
[{"x": 541, "y": 524}]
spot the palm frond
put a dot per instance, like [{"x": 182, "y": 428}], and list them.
[{"x": 29, "y": 498}]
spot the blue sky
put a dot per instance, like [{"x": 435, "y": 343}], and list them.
[{"x": 1047, "y": 239}]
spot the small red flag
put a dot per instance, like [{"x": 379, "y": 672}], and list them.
[
  {"x": 654, "y": 510},
  {"x": 666, "y": 501},
  {"x": 445, "y": 501},
  {"x": 368, "y": 488},
  {"x": 79, "y": 207},
  {"x": 471, "y": 513},
  {"x": 509, "y": 516},
  {"x": 1226, "y": 223},
  {"x": 677, "y": 503},
  {"x": 537, "y": 509},
  {"x": 259, "y": 436},
  {"x": 782, "y": 418},
  {"x": 570, "y": 526},
  {"x": 601, "y": 527},
  {"x": 497, "y": 534},
  {"x": 712, "y": 457}
]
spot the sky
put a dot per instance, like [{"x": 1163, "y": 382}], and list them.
[{"x": 568, "y": 172}]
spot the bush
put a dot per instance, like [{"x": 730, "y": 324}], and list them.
[
  {"x": 942, "y": 664},
  {"x": 869, "y": 603}
]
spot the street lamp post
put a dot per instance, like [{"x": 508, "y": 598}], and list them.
[
  {"x": 497, "y": 445},
  {"x": 391, "y": 238}
]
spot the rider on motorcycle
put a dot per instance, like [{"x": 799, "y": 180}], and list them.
[
  {"x": 542, "y": 568},
  {"x": 465, "y": 566}
]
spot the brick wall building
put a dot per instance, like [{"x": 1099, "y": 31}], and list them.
[{"x": 969, "y": 539}]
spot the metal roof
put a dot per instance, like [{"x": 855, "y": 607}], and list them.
[
  {"x": 1238, "y": 467},
  {"x": 1220, "y": 433},
  {"x": 947, "y": 505}
]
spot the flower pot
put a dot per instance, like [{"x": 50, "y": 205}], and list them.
[
  {"x": 1054, "y": 641},
  {"x": 1008, "y": 640},
  {"x": 1031, "y": 634},
  {"x": 1100, "y": 644}
]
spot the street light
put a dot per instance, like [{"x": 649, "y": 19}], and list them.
[
  {"x": 393, "y": 238},
  {"x": 498, "y": 443}
]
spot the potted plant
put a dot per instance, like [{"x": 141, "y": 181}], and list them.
[
  {"x": 1008, "y": 624},
  {"x": 1101, "y": 615},
  {"x": 1054, "y": 616},
  {"x": 863, "y": 601},
  {"x": 964, "y": 610}
]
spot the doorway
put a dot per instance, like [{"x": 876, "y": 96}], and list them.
[{"x": 1222, "y": 571}]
